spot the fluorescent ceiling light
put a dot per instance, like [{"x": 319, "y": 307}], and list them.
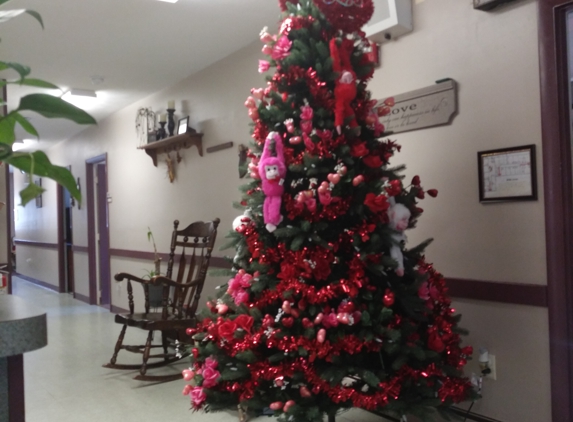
[
  {"x": 169, "y": 1},
  {"x": 80, "y": 97},
  {"x": 81, "y": 93},
  {"x": 21, "y": 144}
]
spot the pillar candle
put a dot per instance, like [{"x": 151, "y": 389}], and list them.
[
  {"x": 171, "y": 104},
  {"x": 163, "y": 117}
]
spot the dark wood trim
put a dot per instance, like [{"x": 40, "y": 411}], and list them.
[
  {"x": 90, "y": 201},
  {"x": 494, "y": 291},
  {"x": 220, "y": 262},
  {"x": 146, "y": 256},
  {"x": 217, "y": 262},
  {"x": 220, "y": 147},
  {"x": 35, "y": 244},
  {"x": 77, "y": 248},
  {"x": 118, "y": 310},
  {"x": 61, "y": 245},
  {"x": 9, "y": 202},
  {"x": 16, "y": 408},
  {"x": 82, "y": 298},
  {"x": 37, "y": 282},
  {"x": 557, "y": 183}
]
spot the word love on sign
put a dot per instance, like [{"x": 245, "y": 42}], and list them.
[{"x": 426, "y": 107}]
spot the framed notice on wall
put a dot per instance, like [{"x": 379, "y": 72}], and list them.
[{"x": 507, "y": 174}]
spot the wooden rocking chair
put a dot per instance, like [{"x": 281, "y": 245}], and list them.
[{"x": 191, "y": 248}]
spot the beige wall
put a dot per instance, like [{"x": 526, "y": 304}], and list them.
[{"x": 492, "y": 56}]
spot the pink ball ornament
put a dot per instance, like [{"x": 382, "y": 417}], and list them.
[
  {"x": 371, "y": 119},
  {"x": 318, "y": 319},
  {"x": 342, "y": 170},
  {"x": 222, "y": 309},
  {"x": 187, "y": 374},
  {"x": 295, "y": 312},
  {"x": 267, "y": 49},
  {"x": 343, "y": 318},
  {"x": 358, "y": 180},
  {"x": 304, "y": 392},
  {"x": 286, "y": 307},
  {"x": 323, "y": 188},
  {"x": 295, "y": 140},
  {"x": 258, "y": 93},
  {"x": 288, "y": 405},
  {"x": 253, "y": 113},
  {"x": 333, "y": 178},
  {"x": 321, "y": 335},
  {"x": 276, "y": 405},
  {"x": 279, "y": 381},
  {"x": 250, "y": 102}
]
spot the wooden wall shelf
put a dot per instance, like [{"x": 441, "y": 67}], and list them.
[{"x": 174, "y": 143}]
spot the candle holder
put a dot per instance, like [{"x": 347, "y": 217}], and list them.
[
  {"x": 171, "y": 121},
  {"x": 161, "y": 131}
]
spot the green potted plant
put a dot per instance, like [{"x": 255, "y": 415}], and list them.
[{"x": 49, "y": 106}]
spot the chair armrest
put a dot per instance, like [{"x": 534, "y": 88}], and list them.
[{"x": 130, "y": 277}]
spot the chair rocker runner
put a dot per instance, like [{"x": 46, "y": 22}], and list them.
[{"x": 191, "y": 248}]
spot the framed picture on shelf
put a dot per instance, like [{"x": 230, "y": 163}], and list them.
[
  {"x": 507, "y": 174},
  {"x": 182, "y": 125}
]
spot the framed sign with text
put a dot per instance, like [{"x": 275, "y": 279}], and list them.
[{"x": 507, "y": 174}]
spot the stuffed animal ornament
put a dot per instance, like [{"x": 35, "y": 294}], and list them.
[
  {"x": 399, "y": 216},
  {"x": 272, "y": 170}
]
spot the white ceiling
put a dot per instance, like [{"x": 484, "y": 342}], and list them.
[{"x": 138, "y": 46}]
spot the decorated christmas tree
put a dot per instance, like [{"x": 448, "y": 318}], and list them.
[{"x": 326, "y": 308}]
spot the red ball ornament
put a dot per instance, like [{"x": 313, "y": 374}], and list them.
[
  {"x": 388, "y": 298},
  {"x": 347, "y": 15}
]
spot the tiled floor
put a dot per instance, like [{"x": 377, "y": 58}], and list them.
[{"x": 65, "y": 381}]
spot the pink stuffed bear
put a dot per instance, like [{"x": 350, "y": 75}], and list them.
[{"x": 272, "y": 171}]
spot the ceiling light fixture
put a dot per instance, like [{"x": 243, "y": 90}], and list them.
[
  {"x": 169, "y": 1},
  {"x": 81, "y": 93},
  {"x": 80, "y": 97}
]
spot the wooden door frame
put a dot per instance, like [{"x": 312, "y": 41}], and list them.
[
  {"x": 9, "y": 202},
  {"x": 558, "y": 192},
  {"x": 92, "y": 243},
  {"x": 61, "y": 240}
]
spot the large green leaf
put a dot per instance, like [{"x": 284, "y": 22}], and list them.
[
  {"x": 26, "y": 125},
  {"x": 6, "y": 15},
  {"x": 7, "y": 125},
  {"x": 22, "y": 70},
  {"x": 36, "y": 16},
  {"x": 37, "y": 83},
  {"x": 54, "y": 107},
  {"x": 30, "y": 192},
  {"x": 39, "y": 164}
]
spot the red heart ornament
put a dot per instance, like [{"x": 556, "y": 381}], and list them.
[{"x": 347, "y": 15}]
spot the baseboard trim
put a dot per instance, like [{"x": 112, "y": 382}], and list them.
[
  {"x": 82, "y": 298},
  {"x": 38, "y": 282}
]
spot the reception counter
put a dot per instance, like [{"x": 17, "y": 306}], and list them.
[{"x": 22, "y": 329}]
